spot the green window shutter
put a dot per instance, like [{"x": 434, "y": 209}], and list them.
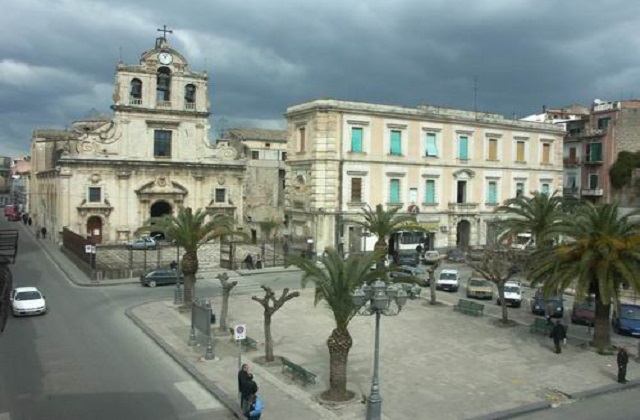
[
  {"x": 432, "y": 149},
  {"x": 394, "y": 192},
  {"x": 492, "y": 193},
  {"x": 595, "y": 152},
  {"x": 356, "y": 139},
  {"x": 396, "y": 145},
  {"x": 430, "y": 193},
  {"x": 463, "y": 148}
]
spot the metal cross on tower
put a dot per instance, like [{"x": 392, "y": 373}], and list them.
[{"x": 165, "y": 31}]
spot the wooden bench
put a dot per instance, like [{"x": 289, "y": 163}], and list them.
[
  {"x": 298, "y": 372},
  {"x": 248, "y": 343},
  {"x": 469, "y": 307}
]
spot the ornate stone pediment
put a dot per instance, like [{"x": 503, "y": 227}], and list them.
[
  {"x": 162, "y": 187},
  {"x": 86, "y": 208}
]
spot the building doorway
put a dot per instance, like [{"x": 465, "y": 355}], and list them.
[
  {"x": 158, "y": 210},
  {"x": 463, "y": 234},
  {"x": 94, "y": 229}
]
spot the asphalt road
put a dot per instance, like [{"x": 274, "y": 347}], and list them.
[{"x": 84, "y": 359}]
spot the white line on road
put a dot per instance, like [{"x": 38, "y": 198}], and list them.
[{"x": 197, "y": 395}]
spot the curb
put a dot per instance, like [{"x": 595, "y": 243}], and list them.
[
  {"x": 513, "y": 412},
  {"x": 208, "y": 384}
]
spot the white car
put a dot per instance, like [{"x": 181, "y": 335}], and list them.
[
  {"x": 27, "y": 301},
  {"x": 448, "y": 280}
]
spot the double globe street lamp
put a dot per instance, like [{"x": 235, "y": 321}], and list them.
[{"x": 376, "y": 299}]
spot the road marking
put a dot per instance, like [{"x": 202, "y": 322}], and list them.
[
  {"x": 5, "y": 416},
  {"x": 197, "y": 395}
]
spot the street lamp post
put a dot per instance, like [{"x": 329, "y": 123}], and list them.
[{"x": 376, "y": 300}]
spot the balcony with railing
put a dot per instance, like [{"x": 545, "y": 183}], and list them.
[
  {"x": 163, "y": 104},
  {"x": 571, "y": 192},
  {"x": 463, "y": 207},
  {"x": 586, "y": 132},
  {"x": 571, "y": 161},
  {"x": 135, "y": 101},
  {"x": 592, "y": 192},
  {"x": 190, "y": 106}
]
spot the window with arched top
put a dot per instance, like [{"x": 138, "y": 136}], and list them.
[
  {"x": 190, "y": 96},
  {"x": 136, "y": 89},
  {"x": 163, "y": 85}
]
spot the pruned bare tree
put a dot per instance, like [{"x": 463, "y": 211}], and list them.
[
  {"x": 271, "y": 304},
  {"x": 432, "y": 282},
  {"x": 498, "y": 265},
  {"x": 226, "y": 292}
]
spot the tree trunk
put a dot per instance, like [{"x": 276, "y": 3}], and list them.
[
  {"x": 601, "y": 335},
  {"x": 189, "y": 286},
  {"x": 339, "y": 344},
  {"x": 432, "y": 285},
  {"x": 189, "y": 266},
  {"x": 224, "y": 310},
  {"x": 503, "y": 303},
  {"x": 381, "y": 248},
  {"x": 268, "y": 340}
]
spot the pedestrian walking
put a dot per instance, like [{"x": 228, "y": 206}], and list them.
[
  {"x": 558, "y": 334},
  {"x": 258, "y": 261},
  {"x": 255, "y": 407},
  {"x": 623, "y": 360},
  {"x": 243, "y": 379},
  {"x": 29, "y": 221},
  {"x": 43, "y": 232}
]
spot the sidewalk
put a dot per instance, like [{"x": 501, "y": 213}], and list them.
[{"x": 435, "y": 363}]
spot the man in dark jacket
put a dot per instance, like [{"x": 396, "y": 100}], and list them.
[
  {"x": 623, "y": 360},
  {"x": 243, "y": 378},
  {"x": 558, "y": 333}
]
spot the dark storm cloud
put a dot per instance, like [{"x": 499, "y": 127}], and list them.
[{"x": 512, "y": 56}]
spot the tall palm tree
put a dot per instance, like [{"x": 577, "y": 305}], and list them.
[
  {"x": 537, "y": 214},
  {"x": 383, "y": 223},
  {"x": 335, "y": 282},
  {"x": 191, "y": 230},
  {"x": 601, "y": 254}
]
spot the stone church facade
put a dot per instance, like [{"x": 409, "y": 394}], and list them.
[{"x": 105, "y": 177}]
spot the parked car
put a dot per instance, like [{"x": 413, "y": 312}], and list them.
[
  {"x": 539, "y": 305},
  {"x": 475, "y": 254},
  {"x": 628, "y": 320},
  {"x": 584, "y": 312},
  {"x": 409, "y": 259},
  {"x": 143, "y": 243},
  {"x": 512, "y": 294},
  {"x": 456, "y": 255},
  {"x": 479, "y": 288},
  {"x": 419, "y": 273},
  {"x": 448, "y": 280},
  {"x": 431, "y": 257},
  {"x": 160, "y": 277},
  {"x": 27, "y": 301}
]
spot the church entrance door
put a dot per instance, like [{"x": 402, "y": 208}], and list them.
[
  {"x": 94, "y": 229},
  {"x": 159, "y": 209}
]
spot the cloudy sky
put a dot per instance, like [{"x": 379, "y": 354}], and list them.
[{"x": 58, "y": 57}]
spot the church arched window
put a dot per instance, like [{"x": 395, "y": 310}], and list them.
[
  {"x": 190, "y": 96},
  {"x": 135, "y": 93},
  {"x": 163, "y": 85}
]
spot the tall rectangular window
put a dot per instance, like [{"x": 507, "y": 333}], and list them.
[
  {"x": 520, "y": 151},
  {"x": 221, "y": 195},
  {"x": 492, "y": 192},
  {"x": 162, "y": 143},
  {"x": 302, "y": 139},
  {"x": 573, "y": 158},
  {"x": 396, "y": 142},
  {"x": 519, "y": 189},
  {"x": 544, "y": 189},
  {"x": 356, "y": 190},
  {"x": 255, "y": 154},
  {"x": 394, "y": 191},
  {"x": 571, "y": 181},
  {"x": 95, "y": 194},
  {"x": 463, "y": 147},
  {"x": 493, "y": 149},
  {"x": 594, "y": 152},
  {"x": 431, "y": 146},
  {"x": 593, "y": 181},
  {"x": 356, "y": 139},
  {"x": 603, "y": 123},
  {"x": 430, "y": 192},
  {"x": 546, "y": 153},
  {"x": 461, "y": 193}
]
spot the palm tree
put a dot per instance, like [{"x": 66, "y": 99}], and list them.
[
  {"x": 383, "y": 223},
  {"x": 538, "y": 215},
  {"x": 600, "y": 256},
  {"x": 191, "y": 230},
  {"x": 335, "y": 282}
]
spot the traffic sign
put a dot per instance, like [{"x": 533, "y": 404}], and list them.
[{"x": 240, "y": 332}]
